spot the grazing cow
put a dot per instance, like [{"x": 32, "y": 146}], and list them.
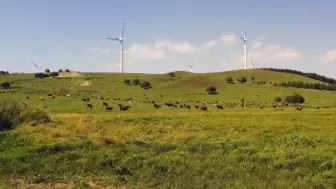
[
  {"x": 169, "y": 104},
  {"x": 219, "y": 106},
  {"x": 89, "y": 105},
  {"x": 196, "y": 106},
  {"x": 42, "y": 98},
  {"x": 187, "y": 106},
  {"x": 124, "y": 108},
  {"x": 108, "y": 108},
  {"x": 156, "y": 106},
  {"x": 50, "y": 94},
  {"x": 105, "y": 104},
  {"x": 299, "y": 108},
  {"x": 204, "y": 108}
]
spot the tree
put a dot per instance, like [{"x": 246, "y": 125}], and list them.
[
  {"x": 229, "y": 79},
  {"x": 5, "y": 85},
  {"x": 67, "y": 70},
  {"x": 294, "y": 99},
  {"x": 127, "y": 81},
  {"x": 136, "y": 82},
  {"x": 60, "y": 70},
  {"x": 277, "y": 99},
  {"x": 211, "y": 90},
  {"x": 145, "y": 85},
  {"x": 253, "y": 79},
  {"x": 171, "y": 74},
  {"x": 242, "y": 79},
  {"x": 54, "y": 74},
  {"x": 3, "y": 73},
  {"x": 47, "y": 70}
]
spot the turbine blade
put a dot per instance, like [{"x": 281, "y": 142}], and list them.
[
  {"x": 114, "y": 39},
  {"x": 122, "y": 31}
]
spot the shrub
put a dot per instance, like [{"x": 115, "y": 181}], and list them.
[
  {"x": 47, "y": 71},
  {"x": 54, "y": 74},
  {"x": 242, "y": 79},
  {"x": 5, "y": 85},
  {"x": 229, "y": 79},
  {"x": 67, "y": 70},
  {"x": 146, "y": 85},
  {"x": 41, "y": 75},
  {"x": 294, "y": 99},
  {"x": 277, "y": 99},
  {"x": 60, "y": 70},
  {"x": 211, "y": 90},
  {"x": 127, "y": 81},
  {"x": 13, "y": 113},
  {"x": 136, "y": 82},
  {"x": 4, "y": 73},
  {"x": 253, "y": 79},
  {"x": 171, "y": 74}
]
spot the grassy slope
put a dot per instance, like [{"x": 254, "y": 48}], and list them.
[{"x": 147, "y": 148}]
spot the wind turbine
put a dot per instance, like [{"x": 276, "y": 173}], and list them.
[
  {"x": 121, "y": 41},
  {"x": 245, "y": 48},
  {"x": 191, "y": 66},
  {"x": 252, "y": 63},
  {"x": 37, "y": 66}
]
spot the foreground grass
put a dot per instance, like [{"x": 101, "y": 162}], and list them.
[{"x": 230, "y": 149}]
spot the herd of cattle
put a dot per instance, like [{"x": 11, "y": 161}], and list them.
[{"x": 177, "y": 104}]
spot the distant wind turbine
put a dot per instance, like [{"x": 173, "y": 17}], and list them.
[
  {"x": 121, "y": 41},
  {"x": 37, "y": 66},
  {"x": 245, "y": 48},
  {"x": 191, "y": 66},
  {"x": 252, "y": 63}
]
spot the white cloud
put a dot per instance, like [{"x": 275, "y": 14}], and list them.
[
  {"x": 329, "y": 57},
  {"x": 229, "y": 40},
  {"x": 100, "y": 50},
  {"x": 210, "y": 44},
  {"x": 182, "y": 47},
  {"x": 139, "y": 52},
  {"x": 258, "y": 42}
]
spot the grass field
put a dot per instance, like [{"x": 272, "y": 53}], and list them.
[{"x": 169, "y": 148}]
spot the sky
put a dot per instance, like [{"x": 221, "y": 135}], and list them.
[{"x": 162, "y": 36}]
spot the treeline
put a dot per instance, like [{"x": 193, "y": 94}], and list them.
[
  {"x": 300, "y": 84},
  {"x": 310, "y": 75},
  {"x": 4, "y": 72}
]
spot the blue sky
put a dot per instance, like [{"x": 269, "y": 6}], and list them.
[{"x": 162, "y": 36}]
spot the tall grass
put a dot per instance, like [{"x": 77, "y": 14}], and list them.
[{"x": 13, "y": 113}]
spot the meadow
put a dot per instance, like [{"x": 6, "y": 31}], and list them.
[{"x": 167, "y": 147}]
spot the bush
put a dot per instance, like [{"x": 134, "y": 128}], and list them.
[
  {"x": 253, "y": 79},
  {"x": 294, "y": 99},
  {"x": 211, "y": 90},
  {"x": 54, "y": 74},
  {"x": 242, "y": 79},
  {"x": 145, "y": 85},
  {"x": 229, "y": 79},
  {"x": 171, "y": 74},
  {"x": 136, "y": 82},
  {"x": 13, "y": 113},
  {"x": 277, "y": 99},
  {"x": 4, "y": 73},
  {"x": 47, "y": 71},
  {"x": 41, "y": 75},
  {"x": 60, "y": 70},
  {"x": 127, "y": 81},
  {"x": 67, "y": 70},
  {"x": 5, "y": 85}
]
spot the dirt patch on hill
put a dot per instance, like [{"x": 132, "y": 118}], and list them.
[{"x": 70, "y": 74}]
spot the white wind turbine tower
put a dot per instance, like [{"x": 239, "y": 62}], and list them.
[
  {"x": 37, "y": 66},
  {"x": 191, "y": 66},
  {"x": 245, "y": 49},
  {"x": 252, "y": 63},
  {"x": 121, "y": 41}
]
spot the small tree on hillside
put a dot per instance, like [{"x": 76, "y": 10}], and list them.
[
  {"x": 60, "y": 70},
  {"x": 242, "y": 79},
  {"x": 171, "y": 74},
  {"x": 145, "y": 85},
  {"x": 5, "y": 85},
  {"x": 136, "y": 82},
  {"x": 67, "y": 70},
  {"x": 53, "y": 74},
  {"x": 127, "y": 81},
  {"x": 294, "y": 99},
  {"x": 211, "y": 90},
  {"x": 47, "y": 70},
  {"x": 229, "y": 79}
]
